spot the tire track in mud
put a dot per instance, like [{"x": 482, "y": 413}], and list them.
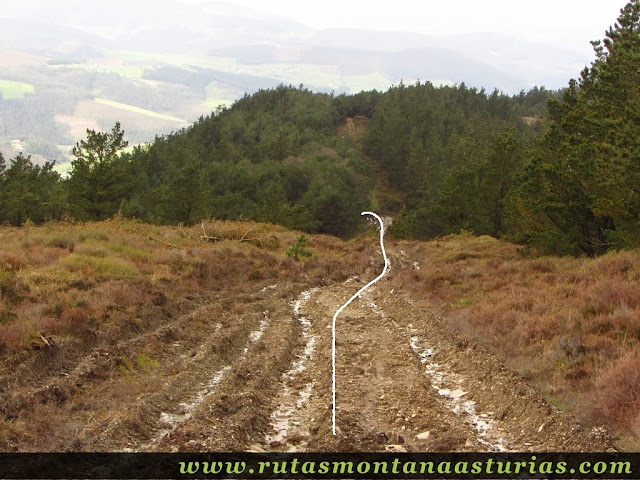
[
  {"x": 102, "y": 366},
  {"x": 405, "y": 383},
  {"x": 185, "y": 410},
  {"x": 454, "y": 398},
  {"x": 449, "y": 386},
  {"x": 237, "y": 415},
  {"x": 292, "y": 400},
  {"x": 261, "y": 380},
  {"x": 504, "y": 412},
  {"x": 62, "y": 367},
  {"x": 228, "y": 342},
  {"x": 157, "y": 414},
  {"x": 383, "y": 400}
]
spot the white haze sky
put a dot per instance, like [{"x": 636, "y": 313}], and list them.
[{"x": 570, "y": 22}]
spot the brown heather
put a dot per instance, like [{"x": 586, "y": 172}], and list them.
[
  {"x": 571, "y": 326},
  {"x": 111, "y": 293},
  {"x": 65, "y": 280}
]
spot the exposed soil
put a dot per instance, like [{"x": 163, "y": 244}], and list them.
[
  {"x": 406, "y": 384},
  {"x": 258, "y": 377}
]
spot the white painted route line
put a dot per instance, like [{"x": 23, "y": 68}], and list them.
[{"x": 333, "y": 326}]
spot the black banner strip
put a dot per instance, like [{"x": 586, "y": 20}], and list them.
[{"x": 240, "y": 465}]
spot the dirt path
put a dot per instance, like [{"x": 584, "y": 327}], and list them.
[
  {"x": 258, "y": 377},
  {"x": 404, "y": 384}
]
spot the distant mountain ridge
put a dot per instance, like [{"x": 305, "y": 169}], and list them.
[
  {"x": 184, "y": 62},
  {"x": 481, "y": 59}
]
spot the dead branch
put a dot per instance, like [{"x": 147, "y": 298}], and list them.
[
  {"x": 244, "y": 236},
  {"x": 209, "y": 238},
  {"x": 164, "y": 243},
  {"x": 217, "y": 238},
  {"x": 46, "y": 342}
]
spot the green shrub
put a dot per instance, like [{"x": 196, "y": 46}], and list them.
[
  {"x": 298, "y": 249},
  {"x": 99, "y": 235},
  {"x": 104, "y": 266},
  {"x": 62, "y": 241},
  {"x": 12, "y": 288}
]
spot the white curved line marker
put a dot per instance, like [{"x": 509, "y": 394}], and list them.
[{"x": 333, "y": 327}]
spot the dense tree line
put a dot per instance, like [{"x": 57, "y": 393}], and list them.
[
  {"x": 274, "y": 156},
  {"x": 32, "y": 113},
  {"x": 453, "y": 152},
  {"x": 30, "y": 192}
]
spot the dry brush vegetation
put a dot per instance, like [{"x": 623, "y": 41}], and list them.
[
  {"x": 90, "y": 311},
  {"x": 571, "y": 326}
]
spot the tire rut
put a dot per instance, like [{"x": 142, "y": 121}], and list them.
[
  {"x": 406, "y": 383},
  {"x": 140, "y": 426},
  {"x": 505, "y": 412},
  {"x": 292, "y": 399},
  {"x": 237, "y": 414},
  {"x": 384, "y": 402},
  {"x": 259, "y": 378},
  {"x": 449, "y": 386},
  {"x": 383, "y": 399}
]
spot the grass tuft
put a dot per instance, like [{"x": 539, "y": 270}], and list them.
[
  {"x": 62, "y": 241},
  {"x": 99, "y": 266}
]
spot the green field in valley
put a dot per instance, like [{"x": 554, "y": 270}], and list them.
[{"x": 14, "y": 90}]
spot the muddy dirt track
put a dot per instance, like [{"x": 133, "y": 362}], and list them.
[
  {"x": 403, "y": 384},
  {"x": 258, "y": 377}
]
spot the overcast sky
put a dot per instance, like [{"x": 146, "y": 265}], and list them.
[{"x": 572, "y": 22}]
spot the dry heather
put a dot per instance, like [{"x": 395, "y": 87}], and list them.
[
  {"x": 571, "y": 326},
  {"x": 63, "y": 279},
  {"x": 95, "y": 314},
  {"x": 92, "y": 308}
]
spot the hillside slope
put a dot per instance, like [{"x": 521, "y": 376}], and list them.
[{"x": 226, "y": 345}]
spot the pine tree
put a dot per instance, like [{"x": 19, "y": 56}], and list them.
[
  {"x": 100, "y": 178},
  {"x": 612, "y": 92},
  {"x": 187, "y": 202},
  {"x": 30, "y": 192},
  {"x": 582, "y": 182}
]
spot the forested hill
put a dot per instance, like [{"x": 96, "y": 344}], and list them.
[
  {"x": 276, "y": 156},
  {"x": 272, "y": 157},
  {"x": 555, "y": 171}
]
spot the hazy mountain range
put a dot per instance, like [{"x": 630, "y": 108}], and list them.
[{"x": 178, "y": 63}]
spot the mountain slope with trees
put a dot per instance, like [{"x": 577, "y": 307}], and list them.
[
  {"x": 454, "y": 151},
  {"x": 557, "y": 171},
  {"x": 273, "y": 157}
]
